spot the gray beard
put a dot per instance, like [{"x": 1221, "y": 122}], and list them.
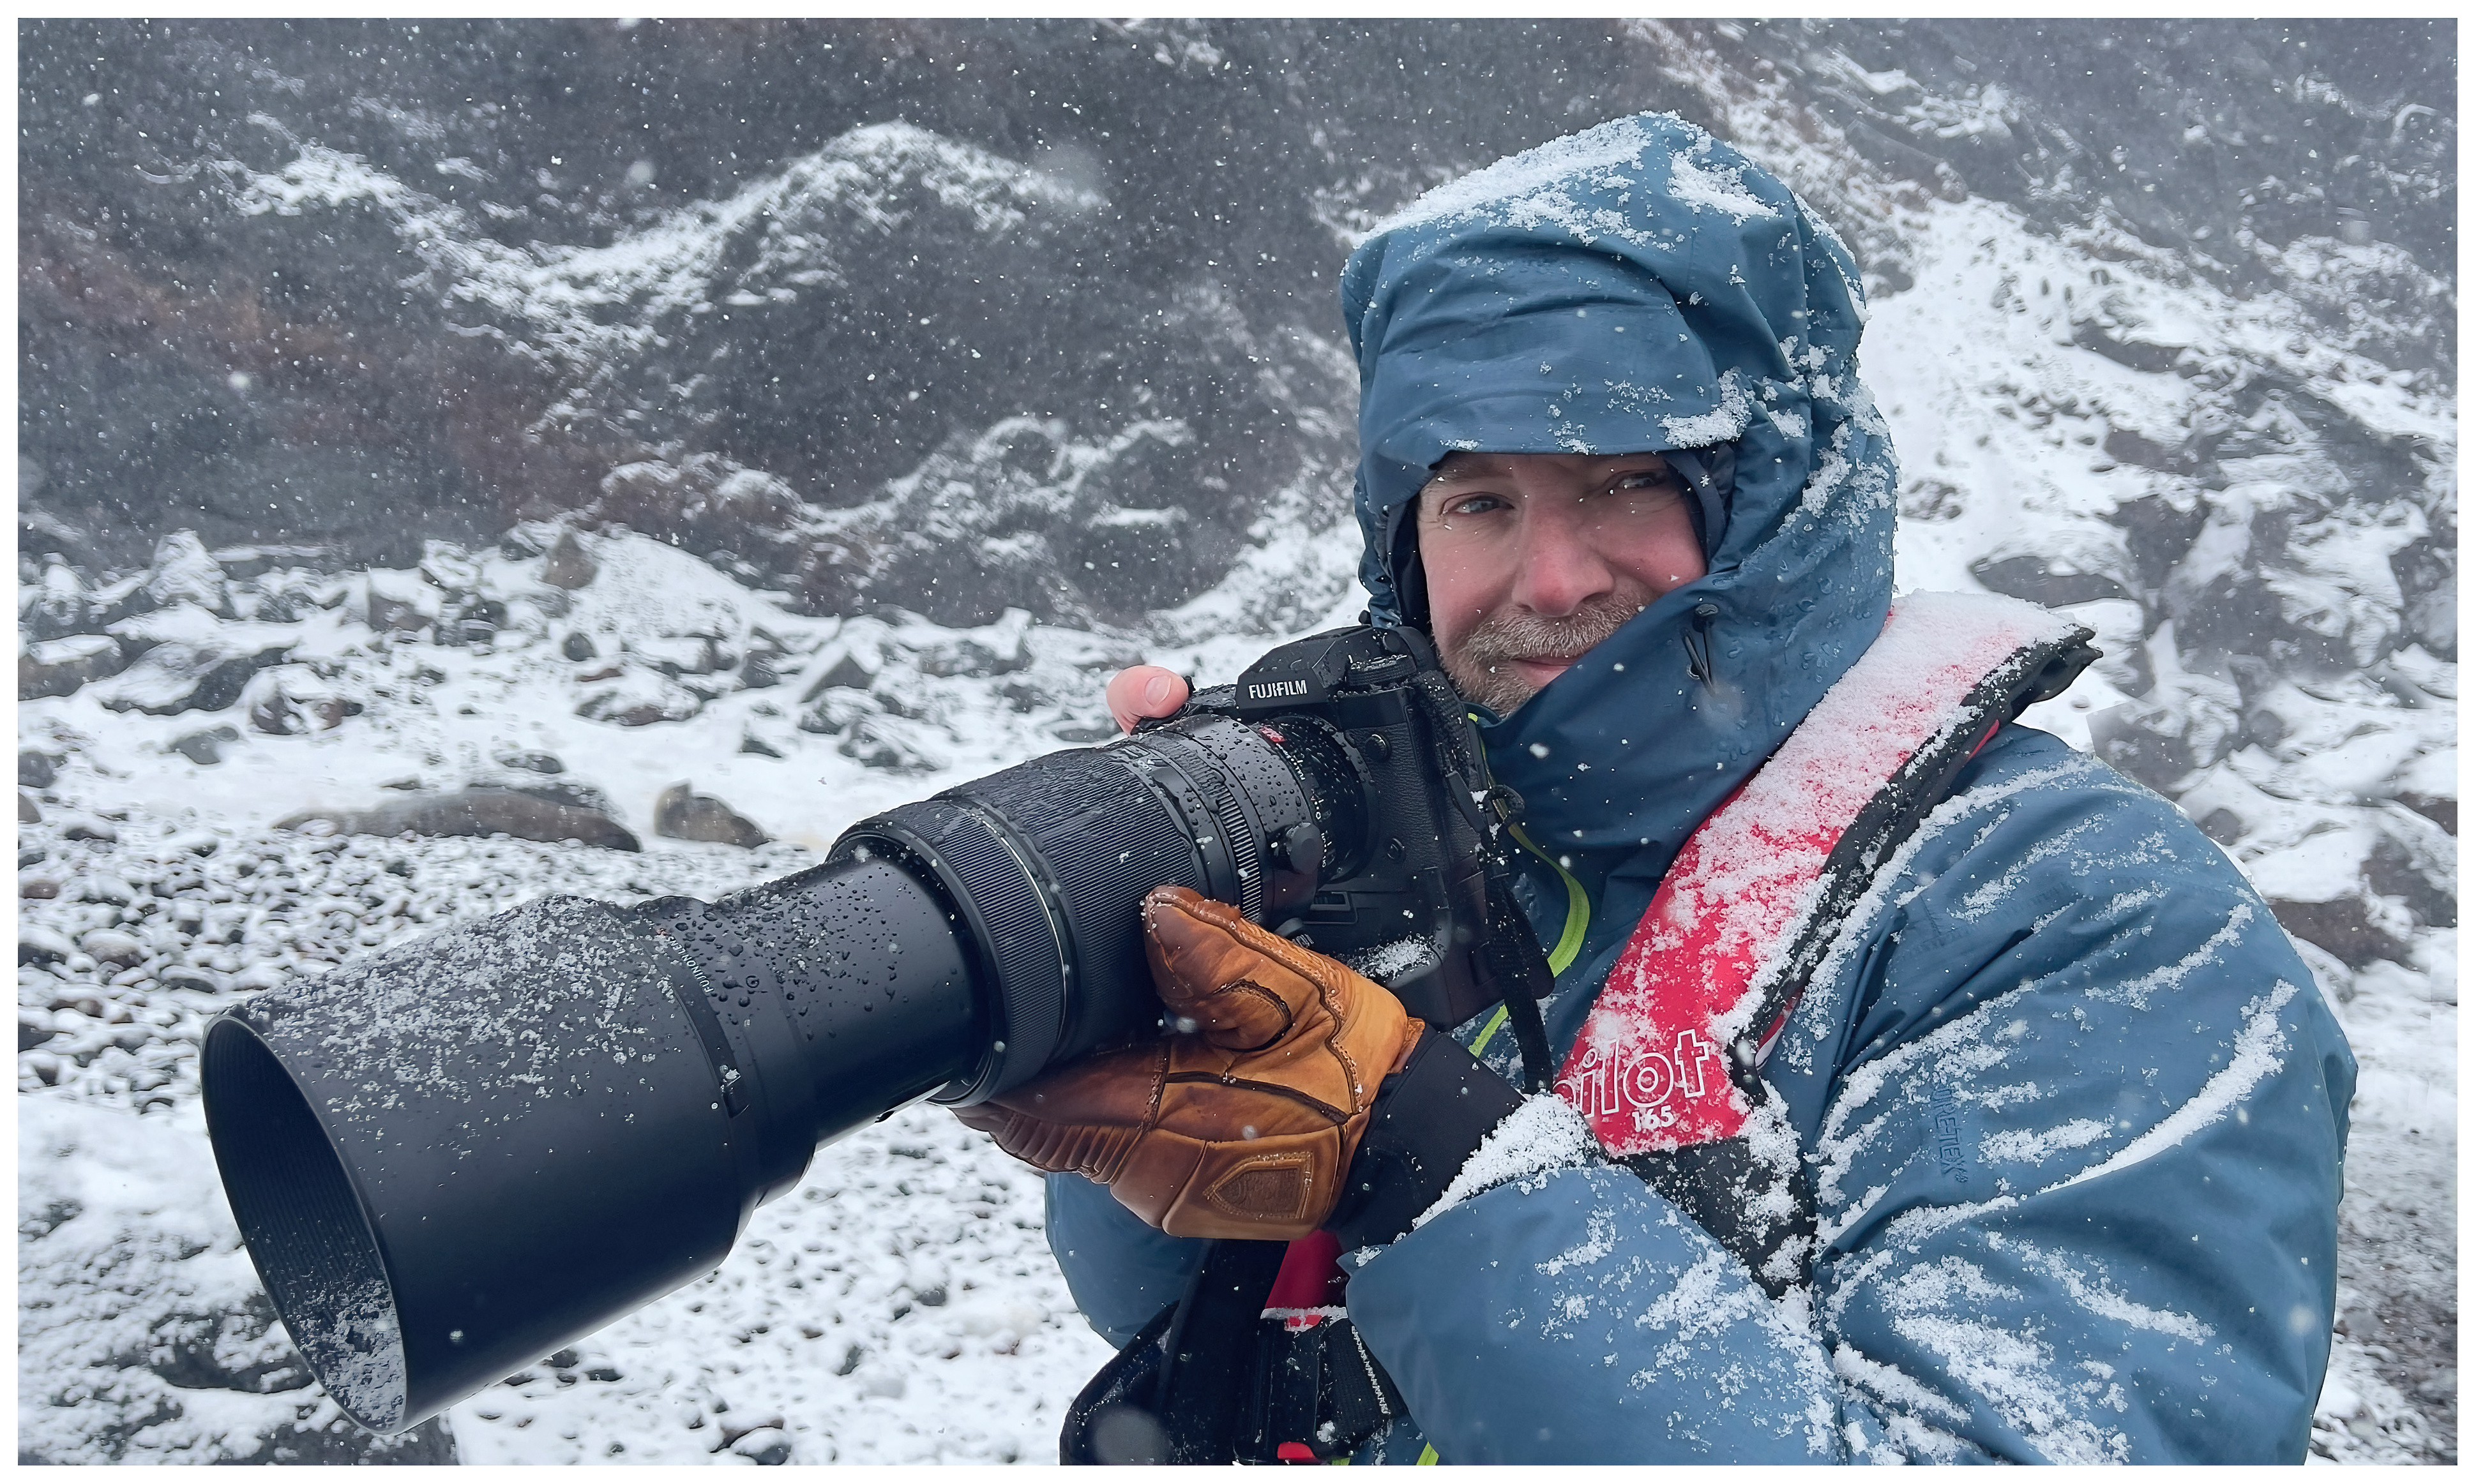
[{"x": 1480, "y": 667}]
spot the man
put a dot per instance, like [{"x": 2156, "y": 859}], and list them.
[{"x": 2055, "y": 1112}]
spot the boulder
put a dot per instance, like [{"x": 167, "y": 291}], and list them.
[
  {"x": 36, "y": 770},
  {"x": 54, "y": 606},
  {"x": 449, "y": 568},
  {"x": 640, "y": 698},
  {"x": 204, "y": 748},
  {"x": 2137, "y": 741},
  {"x": 2044, "y": 579},
  {"x": 174, "y": 677},
  {"x": 1001, "y": 648},
  {"x": 37, "y": 944},
  {"x": 575, "y": 793},
  {"x": 2413, "y": 861},
  {"x": 288, "y": 700},
  {"x": 532, "y": 762},
  {"x": 682, "y": 654},
  {"x": 185, "y": 571},
  {"x": 190, "y": 976},
  {"x": 111, "y": 945},
  {"x": 2344, "y": 926},
  {"x": 2428, "y": 783},
  {"x": 2322, "y": 892},
  {"x": 192, "y": 661},
  {"x": 890, "y": 743},
  {"x": 683, "y": 814},
  {"x": 836, "y": 710},
  {"x": 401, "y": 603},
  {"x": 477, "y": 621},
  {"x": 846, "y": 672},
  {"x": 331, "y": 711},
  {"x": 58, "y": 667},
  {"x": 2138, "y": 355},
  {"x": 474, "y": 811},
  {"x": 27, "y": 811},
  {"x": 765, "y": 1445},
  {"x": 567, "y": 566},
  {"x": 104, "y": 888},
  {"x": 2443, "y": 809},
  {"x": 2222, "y": 824},
  {"x": 272, "y": 713}
]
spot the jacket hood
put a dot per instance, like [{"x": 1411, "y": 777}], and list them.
[{"x": 1639, "y": 286}]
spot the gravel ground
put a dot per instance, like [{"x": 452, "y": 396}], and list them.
[{"x": 899, "y": 1306}]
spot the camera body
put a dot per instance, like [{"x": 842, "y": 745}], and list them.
[{"x": 1409, "y": 907}]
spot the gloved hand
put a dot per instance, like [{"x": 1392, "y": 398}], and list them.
[{"x": 1242, "y": 1127}]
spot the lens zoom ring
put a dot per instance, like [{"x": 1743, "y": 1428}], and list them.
[
  {"x": 1106, "y": 837},
  {"x": 1029, "y": 960}
]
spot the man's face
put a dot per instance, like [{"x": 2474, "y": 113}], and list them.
[{"x": 1532, "y": 558}]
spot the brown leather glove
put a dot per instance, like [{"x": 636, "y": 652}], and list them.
[{"x": 1243, "y": 1127}]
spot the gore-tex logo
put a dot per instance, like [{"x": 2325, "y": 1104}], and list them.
[
  {"x": 1950, "y": 1141},
  {"x": 1648, "y": 1088},
  {"x": 1274, "y": 690}
]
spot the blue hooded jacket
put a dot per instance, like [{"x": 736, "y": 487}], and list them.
[{"x": 2072, "y": 1109}]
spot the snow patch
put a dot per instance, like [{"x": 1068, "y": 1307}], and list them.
[
  {"x": 1891, "y": 1384},
  {"x": 1544, "y": 1133},
  {"x": 1714, "y": 187},
  {"x": 2036, "y": 1146},
  {"x": 1723, "y": 424},
  {"x": 1383, "y": 961},
  {"x": 1532, "y": 188},
  {"x": 2256, "y": 1057}
]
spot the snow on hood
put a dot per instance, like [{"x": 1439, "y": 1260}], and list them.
[{"x": 1638, "y": 287}]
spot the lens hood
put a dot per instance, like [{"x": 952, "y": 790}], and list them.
[{"x": 456, "y": 1157}]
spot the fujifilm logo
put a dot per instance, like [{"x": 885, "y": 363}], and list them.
[{"x": 1277, "y": 690}]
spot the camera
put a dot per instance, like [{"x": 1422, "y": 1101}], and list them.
[{"x": 467, "y": 1151}]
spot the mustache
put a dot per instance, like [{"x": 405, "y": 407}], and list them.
[
  {"x": 1480, "y": 664},
  {"x": 1516, "y": 634}
]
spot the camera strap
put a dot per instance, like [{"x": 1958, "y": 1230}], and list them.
[{"x": 1667, "y": 1066}]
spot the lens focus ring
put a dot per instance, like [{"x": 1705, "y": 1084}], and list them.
[{"x": 994, "y": 892}]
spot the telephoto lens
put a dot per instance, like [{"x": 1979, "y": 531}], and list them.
[{"x": 469, "y": 1151}]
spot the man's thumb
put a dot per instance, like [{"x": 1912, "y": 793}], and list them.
[{"x": 1216, "y": 969}]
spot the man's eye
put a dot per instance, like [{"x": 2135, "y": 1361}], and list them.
[
  {"x": 1472, "y": 504},
  {"x": 1646, "y": 478}
]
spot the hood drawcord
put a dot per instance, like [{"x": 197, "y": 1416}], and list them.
[{"x": 1698, "y": 643}]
